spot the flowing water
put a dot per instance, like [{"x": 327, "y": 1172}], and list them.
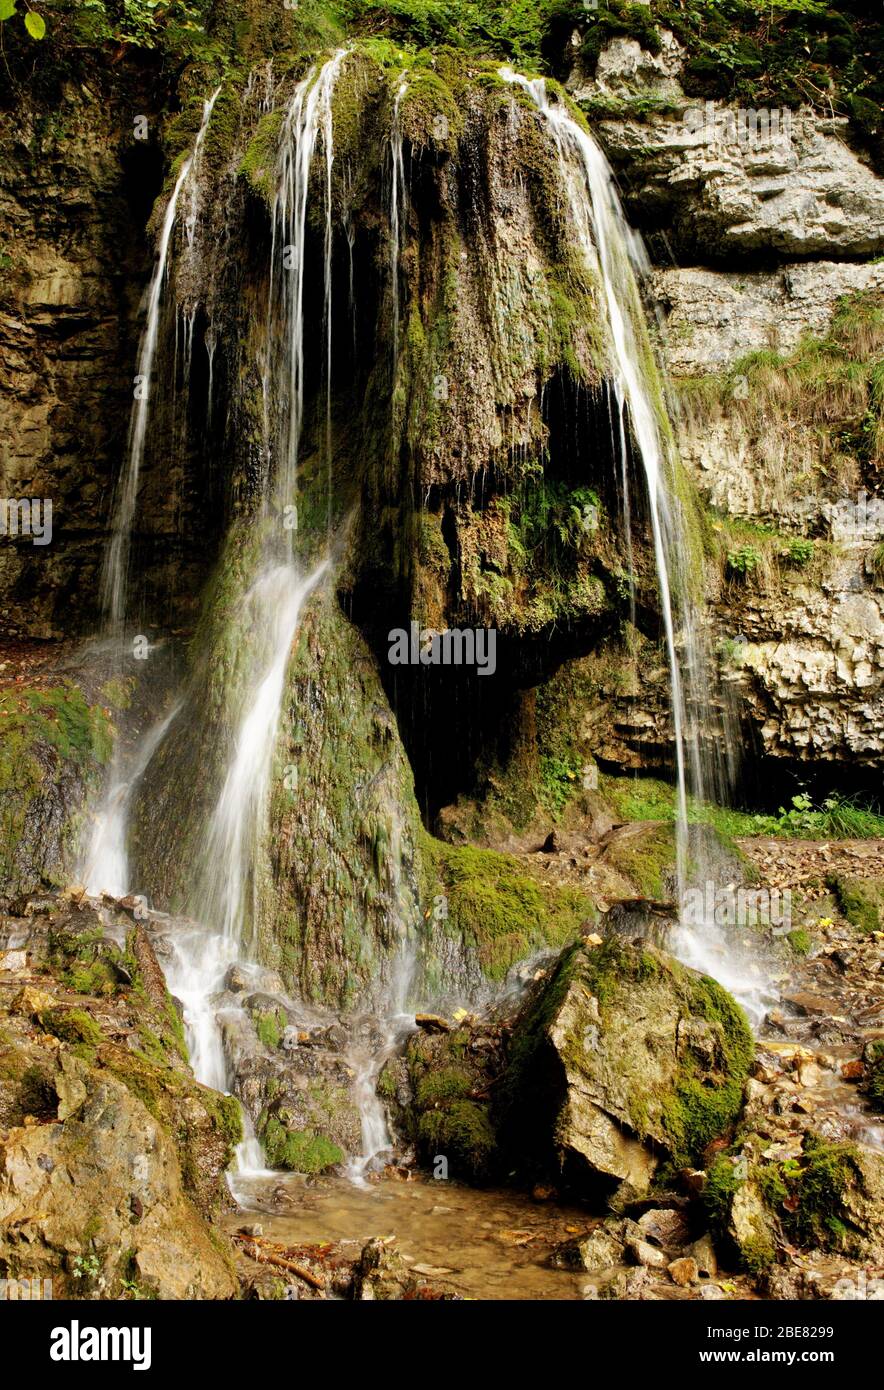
[
  {"x": 223, "y": 901},
  {"x": 397, "y": 204},
  {"x": 615, "y": 252},
  {"x": 116, "y": 562},
  {"x": 105, "y": 867}
]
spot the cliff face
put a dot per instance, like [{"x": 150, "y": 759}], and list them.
[{"x": 465, "y": 454}]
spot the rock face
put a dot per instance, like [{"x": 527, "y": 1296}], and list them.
[
  {"x": 715, "y": 317},
  {"x": 94, "y": 1198},
  {"x": 624, "y": 1054},
  {"x": 112, "y": 1158},
  {"x": 727, "y": 182}
]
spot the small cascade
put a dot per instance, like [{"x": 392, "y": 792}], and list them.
[
  {"x": 380, "y": 1038},
  {"x": 309, "y": 113},
  {"x": 616, "y": 254},
  {"x": 105, "y": 864},
  {"x": 223, "y": 900},
  {"x": 116, "y": 562},
  {"x": 397, "y": 205}
]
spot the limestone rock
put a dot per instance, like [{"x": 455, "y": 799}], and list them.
[
  {"x": 606, "y": 1069},
  {"x": 96, "y": 1196}
]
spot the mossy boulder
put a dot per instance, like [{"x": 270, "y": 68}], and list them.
[
  {"x": 54, "y": 746},
  {"x": 451, "y": 1077},
  {"x": 861, "y": 900},
  {"x": 830, "y": 1197},
  {"x": 622, "y": 1057}
]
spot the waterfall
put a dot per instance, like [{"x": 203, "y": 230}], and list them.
[
  {"x": 116, "y": 561},
  {"x": 615, "y": 253},
  {"x": 309, "y": 112},
  {"x": 224, "y": 898},
  {"x": 397, "y": 203},
  {"x": 105, "y": 867}
]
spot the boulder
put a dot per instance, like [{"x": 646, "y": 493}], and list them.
[
  {"x": 93, "y": 1199},
  {"x": 623, "y": 1054}
]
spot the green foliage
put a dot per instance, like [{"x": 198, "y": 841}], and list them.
[
  {"x": 861, "y": 900},
  {"x": 743, "y": 562},
  {"x": 34, "y": 23},
  {"x": 835, "y": 818},
  {"x": 86, "y": 1266},
  {"x": 798, "y": 552}
]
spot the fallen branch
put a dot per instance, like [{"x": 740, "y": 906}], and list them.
[{"x": 253, "y": 1247}]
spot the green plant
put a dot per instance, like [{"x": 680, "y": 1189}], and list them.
[
  {"x": 85, "y": 1266},
  {"x": 798, "y": 552},
  {"x": 34, "y": 22},
  {"x": 743, "y": 562}
]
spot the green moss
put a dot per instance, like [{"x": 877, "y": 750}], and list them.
[
  {"x": 258, "y": 164},
  {"x": 800, "y": 941},
  {"x": 301, "y": 1151},
  {"x": 647, "y": 860},
  {"x": 817, "y": 1217},
  {"x": 448, "y": 1083},
  {"x": 270, "y": 1026},
  {"x": 386, "y": 1087},
  {"x": 463, "y": 1134},
  {"x": 719, "y": 1190},
  {"x": 72, "y": 1026},
  {"x": 700, "y": 1109},
  {"x": 496, "y": 907},
  {"x": 861, "y": 901},
  {"x": 50, "y": 736}
]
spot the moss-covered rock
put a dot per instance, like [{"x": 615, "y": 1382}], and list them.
[
  {"x": 451, "y": 1077},
  {"x": 54, "y": 746},
  {"x": 623, "y": 1055},
  {"x": 830, "y": 1197},
  {"x": 861, "y": 900}
]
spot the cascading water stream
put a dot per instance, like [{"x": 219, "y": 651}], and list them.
[
  {"x": 224, "y": 897},
  {"x": 397, "y": 203},
  {"x": 615, "y": 252},
  {"x": 116, "y": 561},
  {"x": 105, "y": 866}
]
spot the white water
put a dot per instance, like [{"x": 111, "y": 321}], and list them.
[
  {"x": 116, "y": 562},
  {"x": 224, "y": 900},
  {"x": 616, "y": 253},
  {"x": 397, "y": 203},
  {"x": 309, "y": 113},
  {"x": 105, "y": 866}
]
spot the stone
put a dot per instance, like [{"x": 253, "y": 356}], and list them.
[
  {"x": 432, "y": 1023},
  {"x": 668, "y": 1227},
  {"x": 712, "y": 1293},
  {"x": 683, "y": 1271},
  {"x": 30, "y": 1002},
  {"x": 593, "y": 1253},
  {"x": 643, "y": 1253},
  {"x": 592, "y": 1085},
  {"x": 109, "y": 1166}
]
